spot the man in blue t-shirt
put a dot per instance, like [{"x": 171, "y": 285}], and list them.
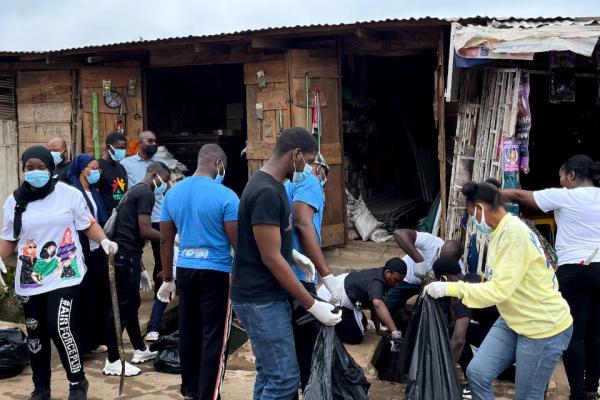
[
  {"x": 307, "y": 200},
  {"x": 204, "y": 213}
]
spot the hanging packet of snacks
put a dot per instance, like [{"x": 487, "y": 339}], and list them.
[
  {"x": 511, "y": 164},
  {"x": 523, "y": 122}
]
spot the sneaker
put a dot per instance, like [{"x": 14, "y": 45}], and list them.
[
  {"x": 466, "y": 392},
  {"x": 141, "y": 356},
  {"x": 114, "y": 369},
  {"x": 78, "y": 391},
  {"x": 151, "y": 336},
  {"x": 99, "y": 350},
  {"x": 41, "y": 393}
]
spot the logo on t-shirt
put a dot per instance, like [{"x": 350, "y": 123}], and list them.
[{"x": 118, "y": 188}]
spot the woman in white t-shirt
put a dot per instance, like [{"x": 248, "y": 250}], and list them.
[
  {"x": 576, "y": 209},
  {"x": 84, "y": 174},
  {"x": 41, "y": 220}
]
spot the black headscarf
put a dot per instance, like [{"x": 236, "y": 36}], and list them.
[{"x": 25, "y": 193}]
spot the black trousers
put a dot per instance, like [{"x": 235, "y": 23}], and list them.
[
  {"x": 580, "y": 286},
  {"x": 348, "y": 330},
  {"x": 305, "y": 336},
  {"x": 127, "y": 279},
  {"x": 157, "y": 263},
  {"x": 53, "y": 315},
  {"x": 95, "y": 300},
  {"x": 204, "y": 326}
]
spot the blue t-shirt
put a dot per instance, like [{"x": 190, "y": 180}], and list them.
[
  {"x": 198, "y": 206},
  {"x": 136, "y": 171},
  {"x": 309, "y": 192}
]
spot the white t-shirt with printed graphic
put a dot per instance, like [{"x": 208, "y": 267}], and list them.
[{"x": 49, "y": 252}]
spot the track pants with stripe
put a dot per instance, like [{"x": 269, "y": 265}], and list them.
[
  {"x": 204, "y": 326},
  {"x": 53, "y": 315}
]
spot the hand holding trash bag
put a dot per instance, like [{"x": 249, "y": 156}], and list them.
[
  {"x": 325, "y": 313},
  {"x": 436, "y": 290},
  {"x": 396, "y": 341},
  {"x": 335, "y": 287}
]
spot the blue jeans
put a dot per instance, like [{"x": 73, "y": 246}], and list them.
[
  {"x": 397, "y": 297},
  {"x": 269, "y": 329},
  {"x": 158, "y": 309},
  {"x": 535, "y": 361}
]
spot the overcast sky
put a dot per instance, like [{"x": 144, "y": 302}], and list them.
[{"x": 57, "y": 24}]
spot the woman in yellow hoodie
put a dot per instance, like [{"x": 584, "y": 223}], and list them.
[{"x": 535, "y": 324}]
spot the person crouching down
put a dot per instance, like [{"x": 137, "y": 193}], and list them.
[{"x": 365, "y": 290}]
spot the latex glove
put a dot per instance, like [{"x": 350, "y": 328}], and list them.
[
  {"x": 335, "y": 287},
  {"x": 304, "y": 264},
  {"x": 436, "y": 289},
  {"x": 421, "y": 269},
  {"x": 108, "y": 245},
  {"x": 396, "y": 340},
  {"x": 2, "y": 271},
  {"x": 325, "y": 313},
  {"x": 166, "y": 292},
  {"x": 146, "y": 283}
]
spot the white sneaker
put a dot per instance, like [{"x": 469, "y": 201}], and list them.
[
  {"x": 151, "y": 336},
  {"x": 114, "y": 368},
  {"x": 141, "y": 356}
]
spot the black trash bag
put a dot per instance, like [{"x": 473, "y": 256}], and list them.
[
  {"x": 432, "y": 374},
  {"x": 14, "y": 355},
  {"x": 334, "y": 375},
  {"x": 167, "y": 359}
]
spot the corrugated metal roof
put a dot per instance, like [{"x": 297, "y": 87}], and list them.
[{"x": 297, "y": 29}]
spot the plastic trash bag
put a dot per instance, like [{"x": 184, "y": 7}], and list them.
[
  {"x": 334, "y": 374},
  {"x": 14, "y": 355},
  {"x": 432, "y": 373},
  {"x": 167, "y": 359}
]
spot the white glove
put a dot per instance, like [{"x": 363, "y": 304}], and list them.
[
  {"x": 166, "y": 293},
  {"x": 304, "y": 264},
  {"x": 2, "y": 271},
  {"x": 146, "y": 283},
  {"x": 436, "y": 289},
  {"x": 396, "y": 340},
  {"x": 335, "y": 287},
  {"x": 324, "y": 313},
  {"x": 421, "y": 269},
  {"x": 108, "y": 245}
]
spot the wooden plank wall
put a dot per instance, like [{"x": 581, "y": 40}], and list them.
[
  {"x": 9, "y": 158},
  {"x": 45, "y": 108},
  {"x": 91, "y": 80}
]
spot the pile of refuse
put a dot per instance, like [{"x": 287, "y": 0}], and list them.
[
  {"x": 362, "y": 223},
  {"x": 178, "y": 169}
]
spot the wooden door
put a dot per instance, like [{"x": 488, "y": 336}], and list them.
[{"x": 283, "y": 103}]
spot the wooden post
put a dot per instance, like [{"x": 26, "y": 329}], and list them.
[{"x": 441, "y": 114}]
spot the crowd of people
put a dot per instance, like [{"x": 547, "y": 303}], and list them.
[{"x": 259, "y": 257}]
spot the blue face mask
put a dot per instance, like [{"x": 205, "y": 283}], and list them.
[
  {"x": 219, "y": 178},
  {"x": 37, "y": 178},
  {"x": 57, "y": 157},
  {"x": 160, "y": 189},
  {"x": 93, "y": 177},
  {"x": 482, "y": 226},
  {"x": 302, "y": 175},
  {"x": 119, "y": 154}
]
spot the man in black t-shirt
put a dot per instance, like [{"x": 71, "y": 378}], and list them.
[
  {"x": 113, "y": 180},
  {"x": 58, "y": 148},
  {"x": 365, "y": 290},
  {"x": 262, "y": 275},
  {"x": 133, "y": 228}
]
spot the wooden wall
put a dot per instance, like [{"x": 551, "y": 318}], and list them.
[{"x": 91, "y": 80}]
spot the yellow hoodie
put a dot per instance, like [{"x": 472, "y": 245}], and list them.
[{"x": 520, "y": 282}]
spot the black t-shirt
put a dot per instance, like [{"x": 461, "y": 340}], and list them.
[
  {"x": 113, "y": 183},
  {"x": 363, "y": 287},
  {"x": 139, "y": 200},
  {"x": 263, "y": 201},
  {"x": 62, "y": 171}
]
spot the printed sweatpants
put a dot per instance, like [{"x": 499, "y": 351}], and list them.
[
  {"x": 53, "y": 315},
  {"x": 204, "y": 326}
]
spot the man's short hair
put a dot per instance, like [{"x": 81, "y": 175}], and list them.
[
  {"x": 114, "y": 137},
  {"x": 294, "y": 138},
  {"x": 396, "y": 264},
  {"x": 158, "y": 167},
  {"x": 446, "y": 266}
]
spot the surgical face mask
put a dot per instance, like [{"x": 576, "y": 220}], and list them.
[
  {"x": 151, "y": 149},
  {"x": 118, "y": 155},
  {"x": 219, "y": 178},
  {"x": 93, "y": 177},
  {"x": 37, "y": 178},
  {"x": 300, "y": 176},
  {"x": 159, "y": 189},
  {"x": 57, "y": 157},
  {"x": 482, "y": 226}
]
